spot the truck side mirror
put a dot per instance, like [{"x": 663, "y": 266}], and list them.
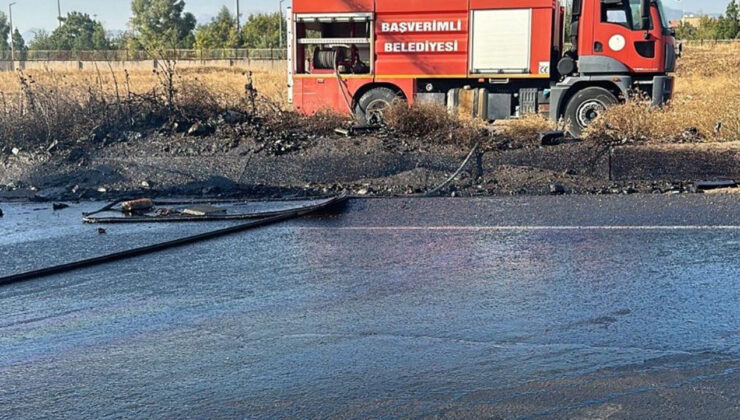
[{"x": 645, "y": 14}]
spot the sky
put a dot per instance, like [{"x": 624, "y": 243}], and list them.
[{"x": 30, "y": 15}]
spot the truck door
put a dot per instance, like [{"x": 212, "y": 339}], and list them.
[{"x": 618, "y": 33}]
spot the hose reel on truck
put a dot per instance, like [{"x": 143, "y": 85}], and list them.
[
  {"x": 329, "y": 44},
  {"x": 344, "y": 59}
]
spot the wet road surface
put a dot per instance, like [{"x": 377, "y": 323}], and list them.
[{"x": 539, "y": 307}]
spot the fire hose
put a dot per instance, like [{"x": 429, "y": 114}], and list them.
[
  {"x": 266, "y": 218},
  {"x": 342, "y": 86},
  {"x": 452, "y": 177},
  {"x": 136, "y": 252}
]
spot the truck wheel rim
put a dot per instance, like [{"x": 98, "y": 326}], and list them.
[
  {"x": 588, "y": 111},
  {"x": 374, "y": 111}
]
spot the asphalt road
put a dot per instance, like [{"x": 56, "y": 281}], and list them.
[{"x": 547, "y": 307}]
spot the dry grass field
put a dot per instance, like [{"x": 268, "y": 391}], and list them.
[
  {"x": 42, "y": 108},
  {"x": 706, "y": 103},
  {"x": 224, "y": 84}
]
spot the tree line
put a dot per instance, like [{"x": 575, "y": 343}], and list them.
[
  {"x": 164, "y": 24},
  {"x": 727, "y": 26},
  {"x": 154, "y": 25}
]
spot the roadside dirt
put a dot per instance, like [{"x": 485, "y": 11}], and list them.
[{"x": 245, "y": 159}]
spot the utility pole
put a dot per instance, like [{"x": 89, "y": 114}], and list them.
[
  {"x": 238, "y": 17},
  {"x": 281, "y": 23},
  {"x": 59, "y": 12},
  {"x": 12, "y": 46}
]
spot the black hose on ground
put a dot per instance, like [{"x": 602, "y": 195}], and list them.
[
  {"x": 131, "y": 253},
  {"x": 452, "y": 177}
]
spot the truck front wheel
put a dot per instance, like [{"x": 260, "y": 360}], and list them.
[
  {"x": 370, "y": 107},
  {"x": 585, "y": 106}
]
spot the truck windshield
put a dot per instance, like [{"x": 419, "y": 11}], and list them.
[
  {"x": 663, "y": 16},
  {"x": 636, "y": 11}
]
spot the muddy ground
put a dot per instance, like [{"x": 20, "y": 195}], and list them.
[{"x": 244, "y": 160}]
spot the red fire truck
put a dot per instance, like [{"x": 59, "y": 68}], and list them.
[{"x": 494, "y": 59}]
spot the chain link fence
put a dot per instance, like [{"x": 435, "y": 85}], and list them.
[
  {"x": 199, "y": 54},
  {"x": 710, "y": 41},
  {"x": 126, "y": 55}
]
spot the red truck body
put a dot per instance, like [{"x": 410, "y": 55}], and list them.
[{"x": 510, "y": 52}]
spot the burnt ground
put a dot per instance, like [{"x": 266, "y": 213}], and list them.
[{"x": 245, "y": 162}]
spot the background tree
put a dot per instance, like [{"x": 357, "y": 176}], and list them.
[
  {"x": 727, "y": 25},
  {"x": 78, "y": 32},
  {"x": 219, "y": 33},
  {"x": 162, "y": 24},
  {"x": 20, "y": 45},
  {"x": 262, "y": 30},
  {"x": 122, "y": 40},
  {"x": 707, "y": 28},
  {"x": 684, "y": 30},
  {"x": 40, "y": 40},
  {"x": 18, "y": 42},
  {"x": 4, "y": 32}
]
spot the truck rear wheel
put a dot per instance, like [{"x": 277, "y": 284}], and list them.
[
  {"x": 585, "y": 106},
  {"x": 370, "y": 107}
]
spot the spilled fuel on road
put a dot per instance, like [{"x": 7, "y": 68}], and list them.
[{"x": 498, "y": 306}]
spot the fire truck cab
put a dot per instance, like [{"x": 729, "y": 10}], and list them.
[{"x": 491, "y": 59}]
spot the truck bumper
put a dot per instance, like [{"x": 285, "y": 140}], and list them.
[{"x": 662, "y": 89}]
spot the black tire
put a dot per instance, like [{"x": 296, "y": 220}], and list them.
[
  {"x": 369, "y": 109},
  {"x": 585, "y": 106}
]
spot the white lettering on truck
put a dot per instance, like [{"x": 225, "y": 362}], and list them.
[
  {"x": 422, "y": 47},
  {"x": 422, "y": 26}
]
